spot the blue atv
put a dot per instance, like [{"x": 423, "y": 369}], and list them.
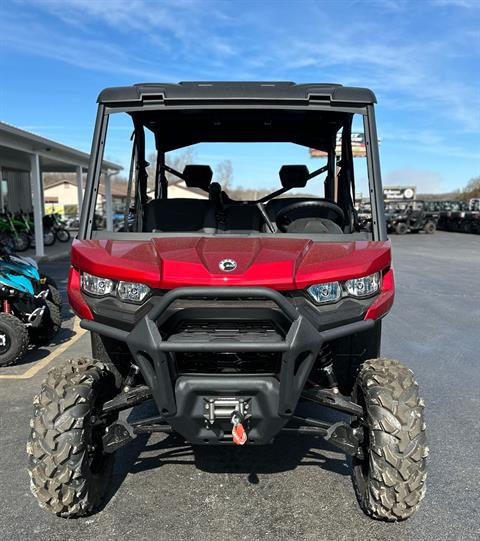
[
  {"x": 25, "y": 316},
  {"x": 28, "y": 267}
]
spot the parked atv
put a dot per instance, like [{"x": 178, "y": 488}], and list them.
[
  {"x": 17, "y": 307},
  {"x": 28, "y": 267},
  {"x": 25, "y": 316},
  {"x": 228, "y": 314},
  {"x": 414, "y": 218}
]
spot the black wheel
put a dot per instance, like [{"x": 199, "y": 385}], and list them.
[
  {"x": 13, "y": 339},
  {"x": 430, "y": 228},
  {"x": 21, "y": 241},
  {"x": 68, "y": 469},
  {"x": 55, "y": 296},
  {"x": 48, "y": 280},
  {"x": 48, "y": 237},
  {"x": 401, "y": 228},
  {"x": 62, "y": 235},
  {"x": 390, "y": 480},
  {"x": 49, "y": 326},
  {"x": 53, "y": 293}
]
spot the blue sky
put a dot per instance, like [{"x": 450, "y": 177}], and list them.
[{"x": 422, "y": 59}]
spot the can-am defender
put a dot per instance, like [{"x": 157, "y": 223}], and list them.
[
  {"x": 411, "y": 217},
  {"x": 229, "y": 313}
]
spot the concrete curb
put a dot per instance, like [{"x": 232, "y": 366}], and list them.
[{"x": 54, "y": 257}]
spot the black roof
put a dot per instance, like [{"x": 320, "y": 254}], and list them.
[{"x": 185, "y": 92}]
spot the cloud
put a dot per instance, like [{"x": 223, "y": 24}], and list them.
[
  {"x": 467, "y": 4},
  {"x": 89, "y": 53},
  {"x": 427, "y": 141},
  {"x": 412, "y": 70},
  {"x": 191, "y": 24},
  {"x": 426, "y": 181}
]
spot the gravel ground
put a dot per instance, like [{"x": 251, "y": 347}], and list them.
[{"x": 299, "y": 488}]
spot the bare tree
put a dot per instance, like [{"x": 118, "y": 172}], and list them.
[
  {"x": 177, "y": 162},
  {"x": 473, "y": 187},
  {"x": 224, "y": 173}
]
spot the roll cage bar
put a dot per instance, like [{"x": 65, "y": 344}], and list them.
[{"x": 345, "y": 190}]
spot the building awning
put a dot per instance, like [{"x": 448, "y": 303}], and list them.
[
  {"x": 24, "y": 151},
  {"x": 16, "y": 145}
]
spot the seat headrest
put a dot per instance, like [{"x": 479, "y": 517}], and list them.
[
  {"x": 294, "y": 176},
  {"x": 198, "y": 176}
]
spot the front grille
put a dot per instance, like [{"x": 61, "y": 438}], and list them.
[
  {"x": 228, "y": 328},
  {"x": 234, "y": 331},
  {"x": 228, "y": 363}
]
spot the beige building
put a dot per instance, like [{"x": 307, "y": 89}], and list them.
[
  {"x": 178, "y": 189},
  {"x": 62, "y": 196}
]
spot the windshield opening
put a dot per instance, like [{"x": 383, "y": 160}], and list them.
[{"x": 274, "y": 172}]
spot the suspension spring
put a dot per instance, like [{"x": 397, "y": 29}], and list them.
[{"x": 325, "y": 363}]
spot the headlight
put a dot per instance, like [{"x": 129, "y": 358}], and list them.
[
  {"x": 102, "y": 287},
  {"x": 360, "y": 288},
  {"x": 132, "y": 292},
  {"x": 363, "y": 287},
  {"x": 95, "y": 285},
  {"x": 325, "y": 293}
]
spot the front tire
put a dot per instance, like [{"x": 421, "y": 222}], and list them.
[
  {"x": 401, "y": 228},
  {"x": 13, "y": 339},
  {"x": 68, "y": 469},
  {"x": 390, "y": 481},
  {"x": 430, "y": 228}
]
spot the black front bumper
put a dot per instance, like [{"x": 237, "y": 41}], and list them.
[{"x": 183, "y": 399}]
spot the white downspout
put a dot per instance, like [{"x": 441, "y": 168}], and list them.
[
  {"x": 37, "y": 189},
  {"x": 79, "y": 189},
  {"x": 108, "y": 200}
]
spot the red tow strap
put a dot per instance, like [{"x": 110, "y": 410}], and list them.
[
  {"x": 238, "y": 431},
  {"x": 239, "y": 434}
]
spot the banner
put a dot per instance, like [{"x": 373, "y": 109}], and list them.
[
  {"x": 399, "y": 193},
  {"x": 358, "y": 147}
]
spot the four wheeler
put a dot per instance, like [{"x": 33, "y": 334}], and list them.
[
  {"x": 17, "y": 303},
  {"x": 29, "y": 306},
  {"x": 24, "y": 316},
  {"x": 28, "y": 267},
  {"x": 230, "y": 314}
]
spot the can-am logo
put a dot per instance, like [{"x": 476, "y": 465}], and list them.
[{"x": 227, "y": 265}]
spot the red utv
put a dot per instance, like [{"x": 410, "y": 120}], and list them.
[{"x": 229, "y": 313}]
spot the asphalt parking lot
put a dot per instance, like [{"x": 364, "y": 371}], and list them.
[{"x": 299, "y": 488}]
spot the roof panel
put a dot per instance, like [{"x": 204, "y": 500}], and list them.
[{"x": 267, "y": 90}]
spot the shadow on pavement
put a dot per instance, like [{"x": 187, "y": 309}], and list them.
[{"x": 288, "y": 452}]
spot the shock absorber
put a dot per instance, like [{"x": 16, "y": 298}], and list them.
[
  {"x": 6, "y": 308},
  {"x": 325, "y": 364}
]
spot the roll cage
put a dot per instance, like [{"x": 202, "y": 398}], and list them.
[{"x": 188, "y": 113}]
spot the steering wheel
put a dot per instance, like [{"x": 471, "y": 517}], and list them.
[{"x": 319, "y": 206}]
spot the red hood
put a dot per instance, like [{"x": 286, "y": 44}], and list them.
[{"x": 279, "y": 263}]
